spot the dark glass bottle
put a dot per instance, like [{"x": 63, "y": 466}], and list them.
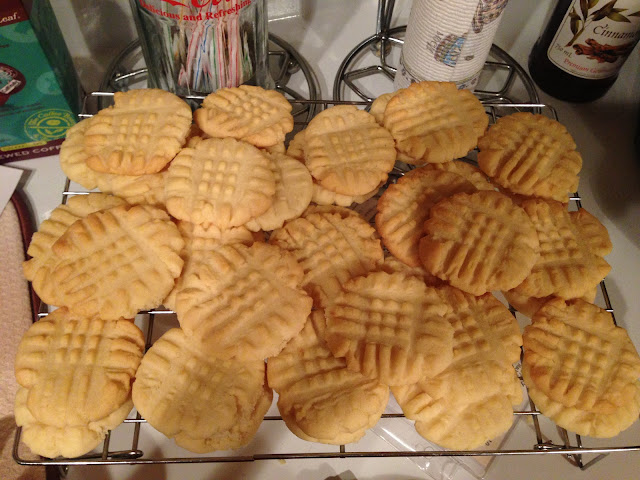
[{"x": 582, "y": 48}]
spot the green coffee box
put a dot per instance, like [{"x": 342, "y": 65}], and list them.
[{"x": 34, "y": 113}]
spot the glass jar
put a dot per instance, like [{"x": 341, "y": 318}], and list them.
[{"x": 194, "y": 47}]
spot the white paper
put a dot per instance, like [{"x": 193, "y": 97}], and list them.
[{"x": 9, "y": 178}]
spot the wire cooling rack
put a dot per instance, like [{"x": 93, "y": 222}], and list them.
[{"x": 129, "y": 447}]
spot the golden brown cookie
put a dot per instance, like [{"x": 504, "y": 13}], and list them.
[
  {"x": 466, "y": 170},
  {"x": 199, "y": 241},
  {"x": 68, "y": 441},
  {"x": 243, "y": 302},
  {"x": 323, "y": 196},
  {"x": 567, "y": 266},
  {"x": 294, "y": 189},
  {"x": 404, "y": 207},
  {"x": 434, "y": 122},
  {"x": 347, "y": 152},
  {"x": 224, "y": 182},
  {"x": 479, "y": 242},
  {"x": 113, "y": 263},
  {"x": 472, "y": 400},
  {"x": 332, "y": 244},
  {"x": 61, "y": 218},
  {"x": 257, "y": 116},
  {"x": 531, "y": 155},
  {"x": 139, "y": 134},
  {"x": 319, "y": 398},
  {"x": 73, "y": 157},
  {"x": 136, "y": 190},
  {"x": 584, "y": 422},
  {"x": 379, "y": 105},
  {"x": 204, "y": 403},
  {"x": 77, "y": 375},
  {"x": 576, "y": 356},
  {"x": 528, "y": 306},
  {"x": 296, "y": 146},
  {"x": 391, "y": 327}
]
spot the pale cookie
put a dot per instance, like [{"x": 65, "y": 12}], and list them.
[
  {"x": 77, "y": 375},
  {"x": 199, "y": 241},
  {"x": 61, "y": 218},
  {"x": 69, "y": 441},
  {"x": 404, "y": 207},
  {"x": 323, "y": 196},
  {"x": 347, "y": 152},
  {"x": 576, "y": 356},
  {"x": 257, "y": 116},
  {"x": 531, "y": 155},
  {"x": 136, "y": 190},
  {"x": 296, "y": 146},
  {"x": 528, "y": 306},
  {"x": 139, "y": 134},
  {"x": 379, "y": 105},
  {"x": 479, "y": 242},
  {"x": 224, "y": 182},
  {"x": 113, "y": 263},
  {"x": 393, "y": 265},
  {"x": 566, "y": 266},
  {"x": 294, "y": 189},
  {"x": 73, "y": 157},
  {"x": 204, "y": 403},
  {"x": 466, "y": 170},
  {"x": 332, "y": 245},
  {"x": 472, "y": 400},
  {"x": 318, "y": 395},
  {"x": 434, "y": 122},
  {"x": 244, "y": 302},
  {"x": 391, "y": 327},
  {"x": 278, "y": 148},
  {"x": 584, "y": 422}
]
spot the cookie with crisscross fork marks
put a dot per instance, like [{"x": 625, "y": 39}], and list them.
[
  {"x": 199, "y": 241},
  {"x": 567, "y": 265},
  {"x": 404, "y": 206},
  {"x": 134, "y": 189},
  {"x": 531, "y": 155},
  {"x": 61, "y": 218},
  {"x": 293, "y": 192},
  {"x": 577, "y": 356},
  {"x": 139, "y": 134},
  {"x": 204, "y": 403},
  {"x": 76, "y": 372},
  {"x": 391, "y": 327},
  {"x": 257, "y": 116},
  {"x": 434, "y": 122},
  {"x": 332, "y": 245},
  {"x": 584, "y": 422},
  {"x": 319, "y": 399},
  {"x": 113, "y": 263},
  {"x": 244, "y": 302},
  {"x": 471, "y": 401},
  {"x": 347, "y": 152},
  {"x": 479, "y": 242},
  {"x": 224, "y": 182}
]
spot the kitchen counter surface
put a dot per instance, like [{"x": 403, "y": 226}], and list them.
[{"x": 324, "y": 32}]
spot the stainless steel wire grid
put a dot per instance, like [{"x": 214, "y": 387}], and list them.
[{"x": 570, "y": 446}]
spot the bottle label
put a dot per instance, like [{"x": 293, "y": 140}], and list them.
[{"x": 595, "y": 37}]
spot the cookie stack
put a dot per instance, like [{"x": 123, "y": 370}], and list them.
[{"x": 254, "y": 250}]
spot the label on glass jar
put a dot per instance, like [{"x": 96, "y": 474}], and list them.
[{"x": 595, "y": 37}]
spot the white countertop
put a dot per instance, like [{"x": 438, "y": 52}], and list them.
[{"x": 323, "y": 33}]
